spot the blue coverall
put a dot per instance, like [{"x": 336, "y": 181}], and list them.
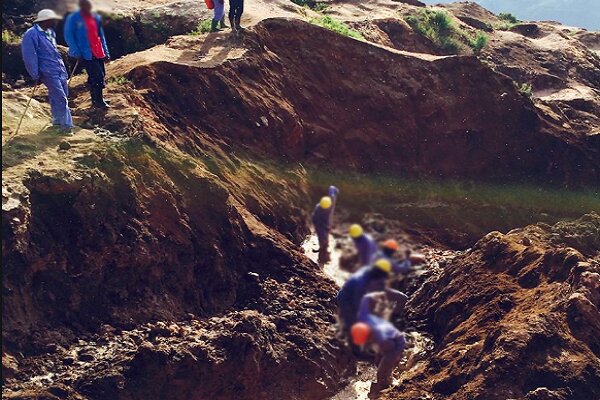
[
  {"x": 321, "y": 218},
  {"x": 44, "y": 63},
  {"x": 352, "y": 292},
  {"x": 389, "y": 341},
  {"x": 398, "y": 267},
  {"x": 366, "y": 248}
]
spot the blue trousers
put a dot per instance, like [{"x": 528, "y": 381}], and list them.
[
  {"x": 58, "y": 92},
  {"x": 219, "y": 10}
]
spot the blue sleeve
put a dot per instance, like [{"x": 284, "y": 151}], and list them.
[
  {"x": 333, "y": 191},
  {"x": 364, "y": 309},
  {"x": 70, "y": 38},
  {"x": 29, "y": 52},
  {"x": 401, "y": 267},
  {"x": 101, "y": 34}
]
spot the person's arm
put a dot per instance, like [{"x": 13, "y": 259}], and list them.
[
  {"x": 365, "y": 308},
  {"x": 333, "y": 192},
  {"x": 102, "y": 37},
  {"x": 30, "y": 56},
  {"x": 69, "y": 32},
  {"x": 401, "y": 267}
]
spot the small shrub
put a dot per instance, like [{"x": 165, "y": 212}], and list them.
[
  {"x": 441, "y": 22},
  {"x": 508, "y": 17},
  {"x": 312, "y": 4},
  {"x": 336, "y": 26},
  {"x": 526, "y": 90},
  {"x": 438, "y": 27},
  {"x": 449, "y": 44},
  {"x": 478, "y": 42},
  {"x": 202, "y": 27},
  {"x": 118, "y": 80},
  {"x": 9, "y": 37}
]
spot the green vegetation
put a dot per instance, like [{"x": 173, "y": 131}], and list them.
[
  {"x": 468, "y": 207},
  {"x": 508, "y": 21},
  {"x": 202, "y": 28},
  {"x": 336, "y": 26},
  {"x": 118, "y": 80},
  {"x": 526, "y": 90},
  {"x": 9, "y": 37},
  {"x": 438, "y": 26},
  {"x": 508, "y": 17},
  {"x": 312, "y": 4},
  {"x": 478, "y": 42}
]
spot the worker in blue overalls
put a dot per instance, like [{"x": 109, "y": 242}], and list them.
[{"x": 44, "y": 63}]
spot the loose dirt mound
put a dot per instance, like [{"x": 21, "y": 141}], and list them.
[
  {"x": 353, "y": 105},
  {"x": 515, "y": 317}
]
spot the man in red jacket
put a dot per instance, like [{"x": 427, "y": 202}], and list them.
[{"x": 85, "y": 37}]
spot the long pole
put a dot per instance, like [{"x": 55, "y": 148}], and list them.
[
  {"x": 24, "y": 112},
  {"x": 31, "y": 98}
]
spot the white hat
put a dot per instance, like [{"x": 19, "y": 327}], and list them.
[{"x": 45, "y": 15}]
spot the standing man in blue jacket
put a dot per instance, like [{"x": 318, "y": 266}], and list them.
[
  {"x": 44, "y": 63},
  {"x": 85, "y": 37}
]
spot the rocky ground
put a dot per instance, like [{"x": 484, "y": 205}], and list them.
[{"x": 157, "y": 252}]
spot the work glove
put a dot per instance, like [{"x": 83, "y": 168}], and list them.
[{"x": 333, "y": 191}]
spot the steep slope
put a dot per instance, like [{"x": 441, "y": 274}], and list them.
[
  {"x": 130, "y": 255},
  {"x": 352, "y": 105}
]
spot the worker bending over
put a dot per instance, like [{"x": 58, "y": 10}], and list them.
[
  {"x": 366, "y": 247},
  {"x": 367, "y": 279},
  {"x": 387, "y": 341}
]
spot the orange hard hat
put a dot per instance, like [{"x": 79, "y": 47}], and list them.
[
  {"x": 391, "y": 244},
  {"x": 360, "y": 333}
]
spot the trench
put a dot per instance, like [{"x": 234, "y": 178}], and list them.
[{"x": 358, "y": 386}]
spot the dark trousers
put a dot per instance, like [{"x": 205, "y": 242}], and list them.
[
  {"x": 236, "y": 9},
  {"x": 96, "y": 72}
]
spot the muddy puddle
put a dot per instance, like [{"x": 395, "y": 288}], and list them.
[{"x": 358, "y": 387}]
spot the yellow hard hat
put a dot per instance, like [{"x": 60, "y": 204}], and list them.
[
  {"x": 384, "y": 265},
  {"x": 355, "y": 231},
  {"x": 325, "y": 202}
]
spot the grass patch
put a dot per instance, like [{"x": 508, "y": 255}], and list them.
[
  {"x": 526, "y": 89},
  {"x": 9, "y": 37},
  {"x": 202, "y": 27},
  {"x": 312, "y": 4},
  {"x": 336, "y": 26},
  {"x": 508, "y": 21},
  {"x": 479, "y": 42},
  {"x": 471, "y": 208},
  {"x": 438, "y": 27},
  {"x": 118, "y": 80},
  {"x": 508, "y": 17}
]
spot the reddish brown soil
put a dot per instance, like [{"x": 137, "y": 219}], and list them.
[
  {"x": 515, "y": 317},
  {"x": 395, "y": 113}
]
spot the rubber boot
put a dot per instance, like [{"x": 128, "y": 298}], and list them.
[
  {"x": 99, "y": 99},
  {"x": 223, "y": 26},
  {"x": 213, "y": 26},
  {"x": 237, "y": 24}
]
